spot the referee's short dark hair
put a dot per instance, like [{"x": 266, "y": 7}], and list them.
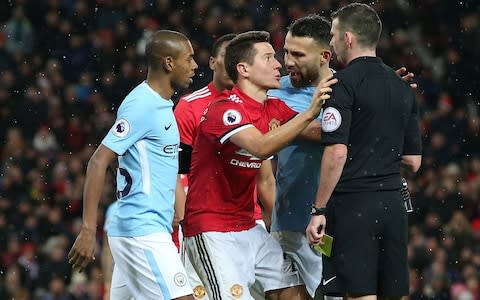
[
  {"x": 362, "y": 20},
  {"x": 241, "y": 49},
  {"x": 219, "y": 42},
  {"x": 313, "y": 26}
]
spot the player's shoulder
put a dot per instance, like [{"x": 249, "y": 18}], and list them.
[
  {"x": 228, "y": 97},
  {"x": 205, "y": 93},
  {"x": 139, "y": 97},
  {"x": 273, "y": 99}
]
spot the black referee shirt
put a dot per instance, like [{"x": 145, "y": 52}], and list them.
[{"x": 374, "y": 112}]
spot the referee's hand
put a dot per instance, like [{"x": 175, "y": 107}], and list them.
[{"x": 316, "y": 229}]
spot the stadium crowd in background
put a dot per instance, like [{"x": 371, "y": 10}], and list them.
[{"x": 66, "y": 65}]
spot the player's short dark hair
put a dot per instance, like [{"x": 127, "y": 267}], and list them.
[
  {"x": 362, "y": 20},
  {"x": 163, "y": 43},
  {"x": 219, "y": 42},
  {"x": 313, "y": 26},
  {"x": 241, "y": 49}
]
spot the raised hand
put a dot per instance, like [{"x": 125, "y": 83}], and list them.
[
  {"x": 407, "y": 76},
  {"x": 322, "y": 93}
]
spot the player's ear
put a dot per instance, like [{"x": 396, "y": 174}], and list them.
[
  {"x": 326, "y": 56},
  {"x": 242, "y": 70},
  {"x": 168, "y": 63},
  {"x": 211, "y": 63}
]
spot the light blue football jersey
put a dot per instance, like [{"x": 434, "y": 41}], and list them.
[
  {"x": 146, "y": 138},
  {"x": 298, "y": 167}
]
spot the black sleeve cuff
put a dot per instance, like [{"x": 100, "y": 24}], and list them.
[{"x": 184, "y": 158}]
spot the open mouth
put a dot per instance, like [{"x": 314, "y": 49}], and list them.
[{"x": 295, "y": 75}]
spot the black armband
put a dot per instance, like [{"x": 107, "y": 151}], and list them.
[
  {"x": 184, "y": 158},
  {"x": 318, "y": 211}
]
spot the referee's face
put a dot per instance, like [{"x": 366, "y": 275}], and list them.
[
  {"x": 302, "y": 60},
  {"x": 338, "y": 43}
]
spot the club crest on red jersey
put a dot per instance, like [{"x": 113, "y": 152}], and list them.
[{"x": 273, "y": 124}]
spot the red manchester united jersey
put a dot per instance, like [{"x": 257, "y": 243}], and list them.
[
  {"x": 222, "y": 175},
  {"x": 190, "y": 109},
  {"x": 188, "y": 112}
]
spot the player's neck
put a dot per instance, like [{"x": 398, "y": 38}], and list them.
[
  {"x": 360, "y": 52},
  {"x": 253, "y": 91},
  {"x": 161, "y": 85},
  {"x": 323, "y": 72},
  {"x": 220, "y": 87}
]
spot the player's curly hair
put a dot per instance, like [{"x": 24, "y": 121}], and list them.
[{"x": 313, "y": 26}]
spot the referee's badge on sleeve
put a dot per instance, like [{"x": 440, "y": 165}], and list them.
[
  {"x": 121, "y": 128},
  {"x": 331, "y": 120}
]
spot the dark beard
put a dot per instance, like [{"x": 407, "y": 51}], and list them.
[{"x": 306, "y": 79}]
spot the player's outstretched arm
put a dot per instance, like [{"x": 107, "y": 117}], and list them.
[
  {"x": 83, "y": 250},
  {"x": 264, "y": 146}
]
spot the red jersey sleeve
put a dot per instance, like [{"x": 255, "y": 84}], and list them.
[
  {"x": 185, "y": 121},
  {"x": 224, "y": 118}
]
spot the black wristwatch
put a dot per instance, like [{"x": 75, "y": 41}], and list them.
[{"x": 318, "y": 211}]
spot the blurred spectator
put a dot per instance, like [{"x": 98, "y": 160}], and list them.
[{"x": 19, "y": 32}]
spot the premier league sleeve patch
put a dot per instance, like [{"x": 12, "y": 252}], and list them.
[
  {"x": 231, "y": 117},
  {"x": 331, "y": 120},
  {"x": 121, "y": 128}
]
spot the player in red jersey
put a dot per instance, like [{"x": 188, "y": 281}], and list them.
[
  {"x": 188, "y": 113},
  {"x": 227, "y": 250}
]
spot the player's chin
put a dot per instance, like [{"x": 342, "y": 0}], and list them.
[
  {"x": 187, "y": 83},
  {"x": 275, "y": 84},
  {"x": 296, "y": 82}
]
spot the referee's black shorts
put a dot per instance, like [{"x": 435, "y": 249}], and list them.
[{"x": 369, "y": 255}]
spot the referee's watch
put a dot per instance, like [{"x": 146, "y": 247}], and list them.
[{"x": 318, "y": 211}]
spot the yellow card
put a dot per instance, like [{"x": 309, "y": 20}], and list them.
[{"x": 326, "y": 248}]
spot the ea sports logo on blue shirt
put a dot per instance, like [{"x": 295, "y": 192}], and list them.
[
  {"x": 231, "y": 117},
  {"x": 121, "y": 128}
]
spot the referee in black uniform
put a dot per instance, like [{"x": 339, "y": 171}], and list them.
[{"x": 370, "y": 128}]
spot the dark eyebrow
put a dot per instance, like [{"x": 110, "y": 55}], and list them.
[{"x": 296, "y": 53}]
